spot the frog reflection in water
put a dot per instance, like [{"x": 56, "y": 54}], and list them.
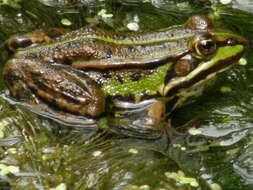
[{"x": 80, "y": 76}]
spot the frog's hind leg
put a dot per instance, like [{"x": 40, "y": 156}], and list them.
[
  {"x": 60, "y": 91},
  {"x": 14, "y": 79},
  {"x": 36, "y": 37}
]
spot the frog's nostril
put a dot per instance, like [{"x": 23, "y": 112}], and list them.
[{"x": 231, "y": 41}]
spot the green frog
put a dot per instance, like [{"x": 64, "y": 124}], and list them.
[{"x": 136, "y": 80}]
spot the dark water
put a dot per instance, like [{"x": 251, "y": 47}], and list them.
[{"x": 38, "y": 154}]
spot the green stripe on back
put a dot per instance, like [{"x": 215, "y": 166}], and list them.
[{"x": 111, "y": 40}]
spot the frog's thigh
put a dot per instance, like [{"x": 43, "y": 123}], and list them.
[
  {"x": 14, "y": 78},
  {"x": 35, "y": 37},
  {"x": 58, "y": 86}
]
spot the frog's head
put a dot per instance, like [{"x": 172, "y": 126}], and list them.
[{"x": 210, "y": 51}]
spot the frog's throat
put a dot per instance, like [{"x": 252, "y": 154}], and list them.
[{"x": 224, "y": 57}]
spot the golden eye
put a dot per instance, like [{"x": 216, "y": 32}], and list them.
[{"x": 204, "y": 46}]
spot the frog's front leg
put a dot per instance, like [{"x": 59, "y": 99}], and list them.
[
  {"x": 146, "y": 119},
  {"x": 156, "y": 113},
  {"x": 60, "y": 87},
  {"x": 35, "y": 37}
]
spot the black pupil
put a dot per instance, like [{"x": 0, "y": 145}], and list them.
[{"x": 207, "y": 44}]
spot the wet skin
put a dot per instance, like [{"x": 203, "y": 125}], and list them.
[{"x": 86, "y": 73}]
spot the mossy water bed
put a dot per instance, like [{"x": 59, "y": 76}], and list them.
[{"x": 214, "y": 149}]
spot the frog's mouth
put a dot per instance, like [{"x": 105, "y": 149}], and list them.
[{"x": 221, "y": 61}]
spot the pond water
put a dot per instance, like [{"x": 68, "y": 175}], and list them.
[{"x": 211, "y": 150}]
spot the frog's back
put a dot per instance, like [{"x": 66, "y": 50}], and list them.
[{"x": 94, "y": 44}]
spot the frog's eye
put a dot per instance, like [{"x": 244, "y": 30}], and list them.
[{"x": 204, "y": 46}]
